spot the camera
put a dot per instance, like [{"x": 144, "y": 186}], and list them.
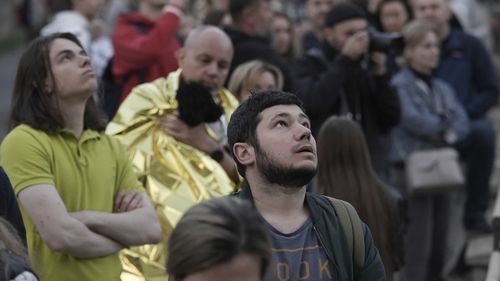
[{"x": 385, "y": 42}]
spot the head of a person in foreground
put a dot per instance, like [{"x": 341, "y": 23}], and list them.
[{"x": 222, "y": 239}]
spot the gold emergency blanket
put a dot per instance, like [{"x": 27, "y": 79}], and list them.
[{"x": 176, "y": 176}]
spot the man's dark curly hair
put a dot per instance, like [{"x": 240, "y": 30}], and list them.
[{"x": 244, "y": 120}]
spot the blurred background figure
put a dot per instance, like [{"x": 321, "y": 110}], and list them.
[
  {"x": 392, "y": 16},
  {"x": 145, "y": 42},
  {"x": 345, "y": 172},
  {"x": 14, "y": 261},
  {"x": 217, "y": 17},
  {"x": 468, "y": 68},
  {"x": 475, "y": 19},
  {"x": 254, "y": 76},
  {"x": 283, "y": 37},
  {"x": 328, "y": 80},
  {"x": 223, "y": 239},
  {"x": 431, "y": 117},
  {"x": 316, "y": 11},
  {"x": 81, "y": 20},
  {"x": 249, "y": 32}
]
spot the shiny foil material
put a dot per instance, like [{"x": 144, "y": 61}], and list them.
[{"x": 176, "y": 176}]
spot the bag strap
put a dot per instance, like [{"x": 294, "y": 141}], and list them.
[{"x": 353, "y": 230}]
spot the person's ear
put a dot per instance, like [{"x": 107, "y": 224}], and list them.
[
  {"x": 48, "y": 87},
  {"x": 244, "y": 153}
]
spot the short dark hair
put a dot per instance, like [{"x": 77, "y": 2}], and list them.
[
  {"x": 31, "y": 103},
  {"x": 237, "y": 6},
  {"x": 246, "y": 117},
  {"x": 214, "y": 232}
]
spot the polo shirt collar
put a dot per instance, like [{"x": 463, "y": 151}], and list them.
[{"x": 87, "y": 134}]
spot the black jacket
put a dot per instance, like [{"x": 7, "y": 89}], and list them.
[
  {"x": 334, "y": 242},
  {"x": 247, "y": 48},
  {"x": 331, "y": 84},
  {"x": 8, "y": 205}
]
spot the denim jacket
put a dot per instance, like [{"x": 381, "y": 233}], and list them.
[{"x": 430, "y": 116}]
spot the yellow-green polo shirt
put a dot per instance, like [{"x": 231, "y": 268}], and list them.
[{"x": 87, "y": 174}]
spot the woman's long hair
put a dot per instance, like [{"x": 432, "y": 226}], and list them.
[
  {"x": 31, "y": 103},
  {"x": 10, "y": 242},
  {"x": 345, "y": 172}
]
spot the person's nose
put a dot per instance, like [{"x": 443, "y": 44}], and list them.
[
  {"x": 84, "y": 60},
  {"x": 303, "y": 132},
  {"x": 427, "y": 12},
  {"x": 212, "y": 69}
]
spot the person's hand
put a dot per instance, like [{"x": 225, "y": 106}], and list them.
[
  {"x": 196, "y": 136},
  {"x": 379, "y": 63},
  {"x": 126, "y": 201},
  {"x": 356, "y": 45}
]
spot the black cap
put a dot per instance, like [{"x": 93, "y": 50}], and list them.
[{"x": 342, "y": 12}]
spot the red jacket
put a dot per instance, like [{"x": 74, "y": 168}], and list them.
[{"x": 142, "y": 44}]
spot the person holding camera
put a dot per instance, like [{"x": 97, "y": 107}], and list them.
[
  {"x": 175, "y": 131},
  {"x": 346, "y": 78}
]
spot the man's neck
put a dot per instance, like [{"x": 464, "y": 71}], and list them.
[
  {"x": 282, "y": 207},
  {"x": 242, "y": 27},
  {"x": 73, "y": 116}
]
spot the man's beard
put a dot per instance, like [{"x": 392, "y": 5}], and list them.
[{"x": 283, "y": 175}]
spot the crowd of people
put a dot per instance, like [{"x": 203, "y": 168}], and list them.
[{"x": 245, "y": 140}]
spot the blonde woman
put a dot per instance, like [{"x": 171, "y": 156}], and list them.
[{"x": 253, "y": 76}]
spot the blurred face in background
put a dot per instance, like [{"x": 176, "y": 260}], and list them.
[
  {"x": 207, "y": 58},
  {"x": 436, "y": 12},
  {"x": 338, "y": 35},
  {"x": 261, "y": 15},
  {"x": 424, "y": 55},
  {"x": 89, "y": 8},
  {"x": 282, "y": 35},
  {"x": 393, "y": 16},
  {"x": 264, "y": 80},
  {"x": 317, "y": 10}
]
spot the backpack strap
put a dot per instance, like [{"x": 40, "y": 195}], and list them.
[{"x": 353, "y": 230}]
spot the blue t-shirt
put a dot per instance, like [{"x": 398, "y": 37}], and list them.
[{"x": 298, "y": 256}]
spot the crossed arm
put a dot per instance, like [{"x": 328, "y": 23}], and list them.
[{"x": 83, "y": 234}]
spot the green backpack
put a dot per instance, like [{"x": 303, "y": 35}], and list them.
[{"x": 353, "y": 230}]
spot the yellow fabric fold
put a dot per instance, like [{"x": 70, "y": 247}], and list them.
[{"x": 175, "y": 175}]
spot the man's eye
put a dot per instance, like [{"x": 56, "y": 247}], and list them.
[
  {"x": 281, "y": 124},
  {"x": 223, "y": 65},
  {"x": 204, "y": 60}
]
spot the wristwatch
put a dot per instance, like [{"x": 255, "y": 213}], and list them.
[{"x": 217, "y": 155}]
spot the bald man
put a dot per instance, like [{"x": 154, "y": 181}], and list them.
[{"x": 179, "y": 163}]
